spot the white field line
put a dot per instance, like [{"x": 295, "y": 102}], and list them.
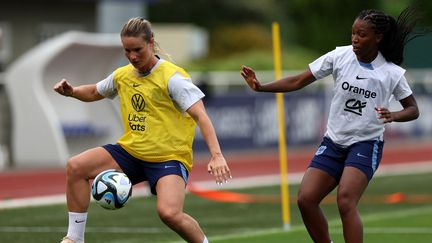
[
  {"x": 398, "y": 230},
  {"x": 267, "y": 180},
  {"x": 46, "y": 229},
  {"x": 405, "y": 168},
  {"x": 54, "y": 199}
]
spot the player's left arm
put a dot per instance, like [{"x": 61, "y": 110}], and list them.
[
  {"x": 217, "y": 166},
  {"x": 409, "y": 112}
]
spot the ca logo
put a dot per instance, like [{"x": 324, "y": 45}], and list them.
[
  {"x": 355, "y": 106},
  {"x": 138, "y": 102}
]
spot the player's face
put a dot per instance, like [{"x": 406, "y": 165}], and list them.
[
  {"x": 364, "y": 41},
  {"x": 139, "y": 52}
]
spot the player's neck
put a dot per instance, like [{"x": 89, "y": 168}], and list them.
[{"x": 147, "y": 68}]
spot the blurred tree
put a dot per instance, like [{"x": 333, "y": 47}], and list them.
[
  {"x": 314, "y": 24},
  {"x": 393, "y": 7},
  {"x": 234, "y": 26},
  {"x": 322, "y": 25},
  {"x": 233, "y": 39},
  {"x": 204, "y": 13}
]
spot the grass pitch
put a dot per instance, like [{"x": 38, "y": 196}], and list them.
[{"x": 393, "y": 209}]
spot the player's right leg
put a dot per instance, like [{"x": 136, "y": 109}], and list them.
[
  {"x": 79, "y": 170},
  {"x": 316, "y": 184},
  {"x": 319, "y": 180}
]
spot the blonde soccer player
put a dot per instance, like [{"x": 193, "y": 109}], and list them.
[{"x": 160, "y": 108}]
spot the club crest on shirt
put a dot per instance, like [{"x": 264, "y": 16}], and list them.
[{"x": 355, "y": 106}]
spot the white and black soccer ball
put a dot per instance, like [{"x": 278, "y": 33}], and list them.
[{"x": 111, "y": 189}]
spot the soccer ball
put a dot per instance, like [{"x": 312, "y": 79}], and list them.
[{"x": 111, "y": 189}]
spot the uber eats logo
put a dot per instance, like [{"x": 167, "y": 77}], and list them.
[{"x": 136, "y": 121}]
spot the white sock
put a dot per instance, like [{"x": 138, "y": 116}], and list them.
[
  {"x": 205, "y": 240},
  {"x": 76, "y": 228}
]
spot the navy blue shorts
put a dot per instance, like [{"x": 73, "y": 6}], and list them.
[
  {"x": 139, "y": 171},
  {"x": 332, "y": 158}
]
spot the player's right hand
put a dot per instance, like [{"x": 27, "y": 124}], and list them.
[
  {"x": 249, "y": 76},
  {"x": 64, "y": 88}
]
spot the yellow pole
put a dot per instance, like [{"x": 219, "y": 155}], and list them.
[{"x": 281, "y": 121}]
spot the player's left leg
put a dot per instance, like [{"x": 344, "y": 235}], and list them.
[
  {"x": 351, "y": 187},
  {"x": 361, "y": 164},
  {"x": 170, "y": 198}
]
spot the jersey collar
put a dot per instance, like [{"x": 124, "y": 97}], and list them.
[{"x": 377, "y": 62}]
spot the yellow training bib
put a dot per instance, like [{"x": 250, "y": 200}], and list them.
[{"x": 155, "y": 130}]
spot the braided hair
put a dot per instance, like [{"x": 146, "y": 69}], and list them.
[{"x": 395, "y": 32}]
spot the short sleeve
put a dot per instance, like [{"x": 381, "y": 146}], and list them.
[
  {"x": 183, "y": 92},
  {"x": 402, "y": 89},
  {"x": 106, "y": 87},
  {"x": 323, "y": 66}
]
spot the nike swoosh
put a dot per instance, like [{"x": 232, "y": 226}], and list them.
[
  {"x": 135, "y": 85},
  {"x": 357, "y": 77},
  {"x": 79, "y": 221},
  {"x": 170, "y": 166},
  {"x": 361, "y": 155}
]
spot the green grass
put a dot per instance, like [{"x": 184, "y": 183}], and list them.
[
  {"x": 403, "y": 225},
  {"x": 234, "y": 222}
]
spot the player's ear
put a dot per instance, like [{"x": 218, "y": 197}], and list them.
[
  {"x": 151, "y": 41},
  {"x": 379, "y": 38}
]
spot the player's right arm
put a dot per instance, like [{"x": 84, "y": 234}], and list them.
[
  {"x": 86, "y": 93},
  {"x": 286, "y": 84}
]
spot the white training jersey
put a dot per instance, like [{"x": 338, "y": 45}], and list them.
[
  {"x": 181, "y": 89},
  {"x": 358, "y": 89}
]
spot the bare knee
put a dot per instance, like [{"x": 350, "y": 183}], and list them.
[
  {"x": 305, "y": 201},
  {"x": 168, "y": 215},
  {"x": 73, "y": 168},
  {"x": 346, "y": 204}
]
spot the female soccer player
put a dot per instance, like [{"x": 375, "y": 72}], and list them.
[
  {"x": 160, "y": 108},
  {"x": 366, "y": 76}
]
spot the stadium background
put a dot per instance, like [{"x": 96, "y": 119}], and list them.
[
  {"x": 226, "y": 35},
  {"x": 243, "y": 120}
]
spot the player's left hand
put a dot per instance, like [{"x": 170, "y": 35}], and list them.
[
  {"x": 384, "y": 115},
  {"x": 219, "y": 169}
]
